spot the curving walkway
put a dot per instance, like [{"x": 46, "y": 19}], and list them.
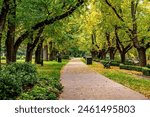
[{"x": 82, "y": 83}]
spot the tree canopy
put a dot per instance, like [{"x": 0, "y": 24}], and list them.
[{"x": 99, "y": 28}]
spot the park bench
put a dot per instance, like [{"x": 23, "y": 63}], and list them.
[{"x": 107, "y": 65}]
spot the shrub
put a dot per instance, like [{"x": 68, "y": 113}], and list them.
[
  {"x": 65, "y": 57},
  {"x": 129, "y": 63},
  {"x": 52, "y": 96},
  {"x": 3, "y": 58},
  {"x": 130, "y": 67},
  {"x": 10, "y": 85},
  {"x": 15, "y": 78},
  {"x": 18, "y": 57},
  {"x": 46, "y": 89},
  {"x": 148, "y": 65},
  {"x": 96, "y": 60},
  {"x": 146, "y": 71},
  {"x": 25, "y": 71},
  {"x": 113, "y": 63}
]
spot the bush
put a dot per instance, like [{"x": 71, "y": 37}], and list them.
[
  {"x": 10, "y": 85},
  {"x": 15, "y": 78},
  {"x": 18, "y": 57},
  {"x": 146, "y": 71},
  {"x": 96, "y": 60},
  {"x": 113, "y": 63},
  {"x": 3, "y": 58},
  {"x": 129, "y": 63},
  {"x": 148, "y": 65},
  {"x": 65, "y": 57},
  {"x": 130, "y": 67},
  {"x": 46, "y": 89}
]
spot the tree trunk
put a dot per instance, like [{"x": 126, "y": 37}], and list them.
[
  {"x": 112, "y": 52},
  {"x": 0, "y": 48},
  {"x": 46, "y": 22},
  {"x": 45, "y": 53},
  {"x": 123, "y": 57},
  {"x": 142, "y": 56},
  {"x": 11, "y": 33},
  {"x": 39, "y": 53},
  {"x": 52, "y": 51},
  {"x": 9, "y": 43},
  {"x": 112, "y": 56},
  {"x": 3, "y": 15},
  {"x": 104, "y": 52},
  {"x": 29, "y": 52},
  {"x": 32, "y": 44}
]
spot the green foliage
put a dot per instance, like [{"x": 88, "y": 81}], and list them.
[
  {"x": 15, "y": 78},
  {"x": 146, "y": 71},
  {"x": 65, "y": 56},
  {"x": 113, "y": 63},
  {"x": 46, "y": 89},
  {"x": 48, "y": 86},
  {"x": 148, "y": 65},
  {"x": 130, "y": 67},
  {"x": 3, "y": 57}
]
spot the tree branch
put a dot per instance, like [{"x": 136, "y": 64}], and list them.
[
  {"x": 114, "y": 9},
  {"x": 148, "y": 45},
  {"x": 3, "y": 13},
  {"x": 38, "y": 37},
  {"x": 47, "y": 22},
  {"x": 117, "y": 41},
  {"x": 136, "y": 5},
  {"x": 128, "y": 47}
]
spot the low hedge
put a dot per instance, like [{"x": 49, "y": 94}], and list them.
[
  {"x": 15, "y": 78},
  {"x": 113, "y": 63},
  {"x": 148, "y": 65},
  {"x": 65, "y": 57},
  {"x": 96, "y": 60},
  {"x": 3, "y": 58},
  {"x": 130, "y": 67},
  {"x": 146, "y": 71}
]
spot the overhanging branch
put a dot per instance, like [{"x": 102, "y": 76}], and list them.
[
  {"x": 47, "y": 22},
  {"x": 114, "y": 9}
]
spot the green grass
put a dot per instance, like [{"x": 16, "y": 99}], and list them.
[
  {"x": 51, "y": 68},
  {"x": 18, "y": 60},
  {"x": 48, "y": 86},
  {"x": 140, "y": 85}
]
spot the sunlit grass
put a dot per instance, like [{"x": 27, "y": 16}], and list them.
[
  {"x": 51, "y": 68},
  {"x": 124, "y": 78}
]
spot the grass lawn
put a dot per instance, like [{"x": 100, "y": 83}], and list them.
[
  {"x": 48, "y": 86},
  {"x": 51, "y": 68},
  {"x": 140, "y": 85}
]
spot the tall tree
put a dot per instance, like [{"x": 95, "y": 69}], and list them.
[
  {"x": 121, "y": 47},
  {"x": 132, "y": 30},
  {"x": 11, "y": 32},
  {"x": 32, "y": 44},
  {"x": 3, "y": 15},
  {"x": 67, "y": 12}
]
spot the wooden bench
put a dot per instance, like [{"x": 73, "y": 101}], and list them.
[{"x": 107, "y": 65}]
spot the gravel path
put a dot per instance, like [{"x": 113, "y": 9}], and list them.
[{"x": 82, "y": 83}]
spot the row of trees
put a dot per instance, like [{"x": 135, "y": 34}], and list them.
[
  {"x": 116, "y": 25},
  {"x": 99, "y": 27},
  {"x": 27, "y": 22}
]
